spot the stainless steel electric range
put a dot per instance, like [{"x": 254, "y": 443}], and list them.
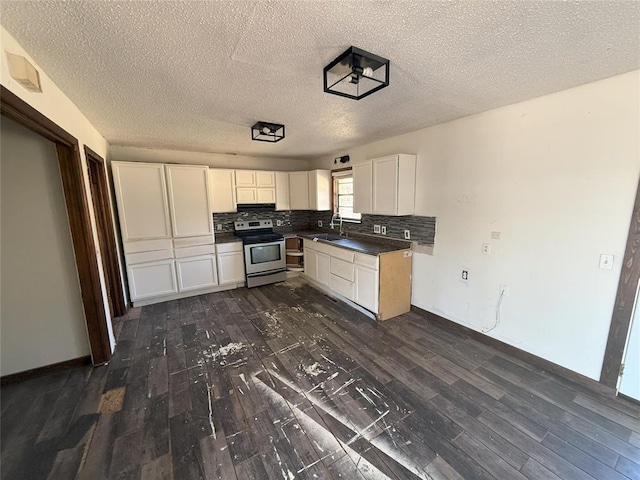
[{"x": 264, "y": 252}]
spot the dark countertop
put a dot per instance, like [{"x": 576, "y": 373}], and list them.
[
  {"x": 358, "y": 243},
  {"x": 226, "y": 238}
]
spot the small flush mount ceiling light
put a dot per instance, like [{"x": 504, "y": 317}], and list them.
[
  {"x": 267, "y": 132},
  {"x": 356, "y": 74}
]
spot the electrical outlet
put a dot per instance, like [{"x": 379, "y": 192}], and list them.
[
  {"x": 219, "y": 226},
  {"x": 319, "y": 223},
  {"x": 384, "y": 230},
  {"x": 465, "y": 275},
  {"x": 376, "y": 229},
  {"x": 407, "y": 234},
  {"x": 496, "y": 235},
  {"x": 486, "y": 248},
  {"x": 279, "y": 223}
]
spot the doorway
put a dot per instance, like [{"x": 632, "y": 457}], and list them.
[
  {"x": 104, "y": 223},
  {"x": 77, "y": 206}
]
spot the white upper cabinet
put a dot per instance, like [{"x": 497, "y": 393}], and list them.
[
  {"x": 188, "y": 187},
  {"x": 362, "y": 187},
  {"x": 255, "y": 186},
  {"x": 265, "y": 179},
  {"x": 282, "y": 191},
  {"x": 222, "y": 185},
  {"x": 299, "y": 190},
  {"x": 143, "y": 206},
  {"x": 245, "y": 178},
  {"x": 320, "y": 190},
  {"x": 394, "y": 185},
  {"x": 246, "y": 195}
]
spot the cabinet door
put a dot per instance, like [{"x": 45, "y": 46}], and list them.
[
  {"x": 265, "y": 179},
  {"x": 320, "y": 190},
  {"x": 385, "y": 186},
  {"x": 362, "y": 187},
  {"x": 196, "y": 272},
  {"x": 154, "y": 279},
  {"x": 231, "y": 267},
  {"x": 222, "y": 190},
  {"x": 282, "y": 191},
  {"x": 189, "y": 200},
  {"x": 266, "y": 195},
  {"x": 366, "y": 288},
  {"x": 311, "y": 263},
  {"x": 299, "y": 190},
  {"x": 246, "y": 195},
  {"x": 245, "y": 178},
  {"x": 324, "y": 268},
  {"x": 143, "y": 206}
]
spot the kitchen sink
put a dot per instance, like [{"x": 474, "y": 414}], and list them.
[{"x": 330, "y": 237}]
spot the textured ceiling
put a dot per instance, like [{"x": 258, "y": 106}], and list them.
[{"x": 195, "y": 75}]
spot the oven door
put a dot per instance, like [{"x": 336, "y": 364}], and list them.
[{"x": 263, "y": 257}]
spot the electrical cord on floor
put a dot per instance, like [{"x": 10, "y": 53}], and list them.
[{"x": 497, "y": 322}]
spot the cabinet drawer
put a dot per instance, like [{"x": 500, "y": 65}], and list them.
[
  {"x": 153, "y": 256},
  {"x": 342, "y": 254},
  {"x": 341, "y": 286},
  {"x": 342, "y": 269},
  {"x": 229, "y": 247},
  {"x": 147, "y": 245},
  {"x": 195, "y": 251},
  {"x": 317, "y": 246},
  {"x": 370, "y": 261},
  {"x": 193, "y": 241}
]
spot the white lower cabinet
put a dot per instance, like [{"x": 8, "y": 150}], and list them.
[
  {"x": 230, "y": 263},
  {"x": 154, "y": 279},
  {"x": 341, "y": 286},
  {"x": 366, "y": 286},
  {"x": 324, "y": 268},
  {"x": 379, "y": 283},
  {"x": 195, "y": 273},
  {"x": 311, "y": 263}
]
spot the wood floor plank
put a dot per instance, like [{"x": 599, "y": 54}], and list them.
[{"x": 283, "y": 381}]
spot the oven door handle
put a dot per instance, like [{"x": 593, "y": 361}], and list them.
[{"x": 266, "y": 274}]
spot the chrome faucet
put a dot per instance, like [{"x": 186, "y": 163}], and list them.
[{"x": 333, "y": 219}]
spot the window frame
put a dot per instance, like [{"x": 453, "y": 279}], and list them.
[{"x": 335, "y": 176}]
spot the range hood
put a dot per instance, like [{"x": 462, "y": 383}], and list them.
[{"x": 256, "y": 207}]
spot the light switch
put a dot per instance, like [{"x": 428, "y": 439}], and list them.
[{"x": 606, "y": 261}]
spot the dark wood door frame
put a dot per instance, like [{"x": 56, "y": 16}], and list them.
[
  {"x": 70, "y": 164},
  {"x": 625, "y": 299},
  {"x": 104, "y": 221}
]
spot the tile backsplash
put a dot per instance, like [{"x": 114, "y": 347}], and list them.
[{"x": 423, "y": 229}]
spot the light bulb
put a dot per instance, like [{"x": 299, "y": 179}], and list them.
[
  {"x": 367, "y": 72},
  {"x": 266, "y": 130}
]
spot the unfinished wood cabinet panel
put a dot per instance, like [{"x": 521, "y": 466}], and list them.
[{"x": 395, "y": 284}]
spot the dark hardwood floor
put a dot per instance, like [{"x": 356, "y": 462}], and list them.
[{"x": 282, "y": 382}]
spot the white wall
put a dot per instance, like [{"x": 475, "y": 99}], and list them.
[
  {"x": 56, "y": 106},
  {"x": 41, "y": 315},
  {"x": 217, "y": 160},
  {"x": 557, "y": 176}
]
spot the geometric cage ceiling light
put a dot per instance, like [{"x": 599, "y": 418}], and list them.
[
  {"x": 356, "y": 74},
  {"x": 267, "y": 132}
]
